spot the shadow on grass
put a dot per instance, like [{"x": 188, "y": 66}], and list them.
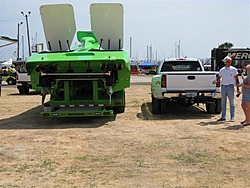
[
  {"x": 234, "y": 127},
  {"x": 31, "y": 120},
  {"x": 33, "y": 92},
  {"x": 174, "y": 111}
]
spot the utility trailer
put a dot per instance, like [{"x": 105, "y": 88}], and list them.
[{"x": 90, "y": 78}]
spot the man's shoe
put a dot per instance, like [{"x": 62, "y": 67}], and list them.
[
  {"x": 232, "y": 120},
  {"x": 221, "y": 119}
]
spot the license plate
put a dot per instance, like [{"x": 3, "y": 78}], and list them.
[
  {"x": 47, "y": 109},
  {"x": 191, "y": 94}
]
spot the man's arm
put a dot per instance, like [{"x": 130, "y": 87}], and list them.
[
  {"x": 218, "y": 78},
  {"x": 237, "y": 82}
]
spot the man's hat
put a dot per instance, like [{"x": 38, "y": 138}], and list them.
[{"x": 226, "y": 59}]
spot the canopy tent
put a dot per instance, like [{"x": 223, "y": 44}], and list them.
[
  {"x": 147, "y": 64},
  {"x": 6, "y": 63}
]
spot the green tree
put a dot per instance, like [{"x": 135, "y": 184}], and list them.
[{"x": 226, "y": 45}]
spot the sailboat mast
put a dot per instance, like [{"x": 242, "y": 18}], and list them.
[
  {"x": 130, "y": 47},
  {"x": 179, "y": 49}
]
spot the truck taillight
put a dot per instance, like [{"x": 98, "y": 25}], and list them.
[
  {"x": 16, "y": 76},
  {"x": 163, "y": 81}
]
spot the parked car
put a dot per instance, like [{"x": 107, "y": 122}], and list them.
[
  {"x": 134, "y": 69},
  {"x": 10, "y": 79}
]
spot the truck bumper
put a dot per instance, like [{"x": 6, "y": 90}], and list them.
[
  {"x": 77, "y": 112},
  {"x": 25, "y": 84}
]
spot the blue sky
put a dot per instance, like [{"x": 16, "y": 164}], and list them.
[{"x": 199, "y": 25}]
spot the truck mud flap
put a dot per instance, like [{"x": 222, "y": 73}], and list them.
[{"x": 78, "y": 112}]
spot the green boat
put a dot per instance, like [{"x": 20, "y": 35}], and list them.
[{"x": 90, "y": 78}]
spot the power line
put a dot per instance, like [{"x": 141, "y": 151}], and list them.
[{"x": 11, "y": 20}]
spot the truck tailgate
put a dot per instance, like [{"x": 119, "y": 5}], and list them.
[
  {"x": 23, "y": 77},
  {"x": 190, "y": 81}
]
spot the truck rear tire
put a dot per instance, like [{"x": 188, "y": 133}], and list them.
[
  {"x": 163, "y": 106},
  {"x": 218, "y": 106},
  {"x": 155, "y": 105},
  {"x": 23, "y": 90},
  {"x": 210, "y": 107}
]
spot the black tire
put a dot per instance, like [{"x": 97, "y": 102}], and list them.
[
  {"x": 163, "y": 106},
  {"x": 120, "y": 109},
  {"x": 11, "y": 81},
  {"x": 210, "y": 107},
  {"x": 23, "y": 90},
  {"x": 218, "y": 106},
  {"x": 155, "y": 105},
  {"x": 20, "y": 90}
]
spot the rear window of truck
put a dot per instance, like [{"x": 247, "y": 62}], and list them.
[{"x": 181, "y": 66}]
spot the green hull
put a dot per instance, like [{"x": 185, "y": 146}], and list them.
[
  {"x": 81, "y": 77},
  {"x": 89, "y": 79}
]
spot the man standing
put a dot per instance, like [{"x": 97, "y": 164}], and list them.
[{"x": 229, "y": 75}]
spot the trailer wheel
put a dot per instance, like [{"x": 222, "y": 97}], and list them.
[
  {"x": 120, "y": 109},
  {"x": 210, "y": 108},
  {"x": 163, "y": 106},
  {"x": 218, "y": 106},
  {"x": 155, "y": 105}
]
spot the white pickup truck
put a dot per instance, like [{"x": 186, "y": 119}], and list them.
[
  {"x": 184, "y": 81},
  {"x": 23, "y": 82}
]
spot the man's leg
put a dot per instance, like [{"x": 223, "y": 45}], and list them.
[
  {"x": 223, "y": 102},
  {"x": 230, "y": 94}
]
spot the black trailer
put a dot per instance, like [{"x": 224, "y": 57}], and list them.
[{"x": 240, "y": 58}]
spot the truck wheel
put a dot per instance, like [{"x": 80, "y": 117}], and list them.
[
  {"x": 155, "y": 105},
  {"x": 120, "y": 109},
  {"x": 20, "y": 90},
  {"x": 218, "y": 106},
  {"x": 11, "y": 81},
  {"x": 23, "y": 90},
  {"x": 163, "y": 106},
  {"x": 210, "y": 108},
  {"x": 26, "y": 90}
]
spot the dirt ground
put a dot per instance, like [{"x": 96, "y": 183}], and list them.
[{"x": 184, "y": 148}]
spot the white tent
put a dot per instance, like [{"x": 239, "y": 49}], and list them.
[{"x": 6, "y": 63}]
